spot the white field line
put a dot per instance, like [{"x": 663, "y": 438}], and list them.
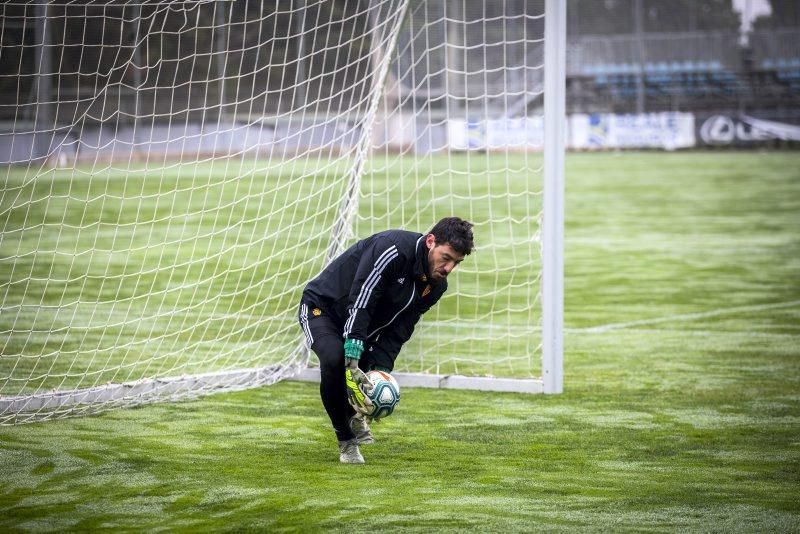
[
  {"x": 620, "y": 326},
  {"x": 683, "y": 317},
  {"x": 701, "y": 333},
  {"x": 484, "y": 326}
]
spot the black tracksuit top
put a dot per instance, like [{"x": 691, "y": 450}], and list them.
[{"x": 378, "y": 288}]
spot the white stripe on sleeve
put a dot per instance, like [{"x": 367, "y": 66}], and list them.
[{"x": 369, "y": 284}]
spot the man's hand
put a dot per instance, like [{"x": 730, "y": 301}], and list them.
[
  {"x": 357, "y": 382},
  {"x": 355, "y": 394},
  {"x": 355, "y": 379}
]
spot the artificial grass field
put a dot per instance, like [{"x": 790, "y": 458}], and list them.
[{"x": 680, "y": 411}]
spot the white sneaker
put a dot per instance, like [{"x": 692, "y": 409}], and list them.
[
  {"x": 360, "y": 427},
  {"x": 349, "y": 453}
]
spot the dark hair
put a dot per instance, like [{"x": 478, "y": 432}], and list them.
[{"x": 455, "y": 232}]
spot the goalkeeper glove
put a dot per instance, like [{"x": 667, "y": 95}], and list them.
[{"x": 354, "y": 378}]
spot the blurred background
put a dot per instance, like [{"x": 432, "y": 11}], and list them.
[
  {"x": 717, "y": 56},
  {"x": 82, "y": 79}
]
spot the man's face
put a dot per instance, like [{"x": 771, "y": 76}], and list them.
[{"x": 442, "y": 259}]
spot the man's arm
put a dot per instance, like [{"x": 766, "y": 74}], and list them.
[{"x": 378, "y": 263}]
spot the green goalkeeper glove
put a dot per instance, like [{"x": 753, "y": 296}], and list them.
[{"x": 353, "y": 349}]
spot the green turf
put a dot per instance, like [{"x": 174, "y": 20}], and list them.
[{"x": 681, "y": 408}]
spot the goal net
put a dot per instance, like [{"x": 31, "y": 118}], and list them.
[{"x": 175, "y": 172}]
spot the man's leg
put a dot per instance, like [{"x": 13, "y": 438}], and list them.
[
  {"x": 376, "y": 358},
  {"x": 332, "y": 386},
  {"x": 325, "y": 339},
  {"x": 360, "y": 427}
]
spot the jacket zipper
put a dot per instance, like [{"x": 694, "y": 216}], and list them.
[{"x": 413, "y": 291}]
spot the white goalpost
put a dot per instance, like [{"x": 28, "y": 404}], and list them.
[{"x": 175, "y": 172}]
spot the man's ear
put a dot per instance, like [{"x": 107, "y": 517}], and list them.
[{"x": 430, "y": 241}]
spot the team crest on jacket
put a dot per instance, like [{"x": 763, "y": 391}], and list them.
[
  {"x": 316, "y": 312},
  {"x": 426, "y": 290}
]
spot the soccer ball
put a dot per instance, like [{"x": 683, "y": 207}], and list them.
[{"x": 385, "y": 393}]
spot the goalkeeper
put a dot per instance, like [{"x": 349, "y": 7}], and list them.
[{"x": 362, "y": 308}]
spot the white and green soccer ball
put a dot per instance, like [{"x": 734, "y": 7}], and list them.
[{"x": 385, "y": 393}]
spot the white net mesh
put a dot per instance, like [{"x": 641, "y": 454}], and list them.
[
  {"x": 457, "y": 134},
  {"x": 174, "y": 173}
]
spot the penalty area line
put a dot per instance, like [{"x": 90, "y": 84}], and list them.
[{"x": 682, "y": 317}]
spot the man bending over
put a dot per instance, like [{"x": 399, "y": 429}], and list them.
[{"x": 357, "y": 314}]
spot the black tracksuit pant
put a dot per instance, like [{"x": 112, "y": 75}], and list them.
[{"x": 324, "y": 336}]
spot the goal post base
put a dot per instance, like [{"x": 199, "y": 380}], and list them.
[
  {"x": 420, "y": 380},
  {"x": 42, "y": 405}
]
